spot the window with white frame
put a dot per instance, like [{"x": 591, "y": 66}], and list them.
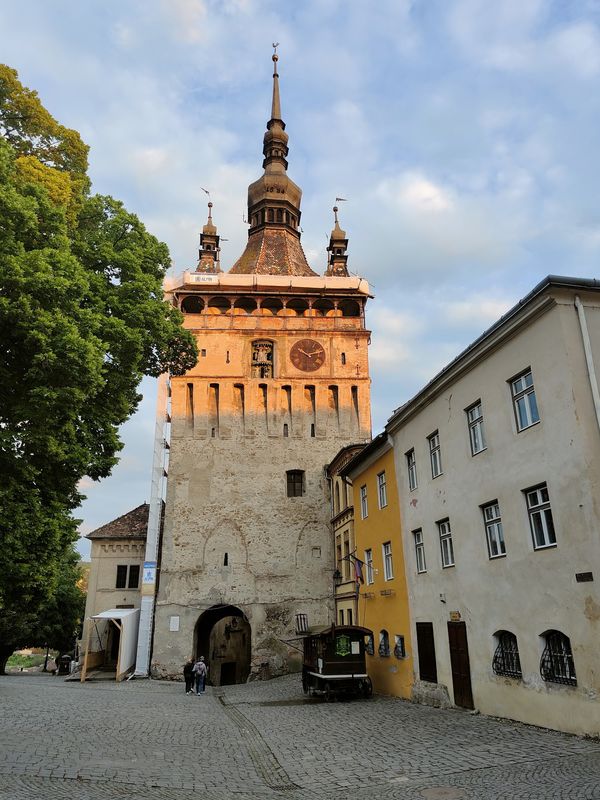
[
  {"x": 128, "y": 576},
  {"x": 476, "y": 430},
  {"x": 381, "y": 490},
  {"x": 524, "y": 400},
  {"x": 364, "y": 508},
  {"x": 411, "y": 466},
  {"x": 493, "y": 530},
  {"x": 446, "y": 547},
  {"x": 540, "y": 517},
  {"x": 388, "y": 567},
  {"x": 435, "y": 454},
  {"x": 419, "y": 550},
  {"x": 369, "y": 566}
]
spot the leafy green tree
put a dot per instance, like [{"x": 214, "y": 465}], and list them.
[{"x": 82, "y": 319}]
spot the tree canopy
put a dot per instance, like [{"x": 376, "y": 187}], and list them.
[{"x": 82, "y": 319}]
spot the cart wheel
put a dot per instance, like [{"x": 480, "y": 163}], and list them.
[
  {"x": 305, "y": 684},
  {"x": 328, "y": 693},
  {"x": 367, "y": 688}
]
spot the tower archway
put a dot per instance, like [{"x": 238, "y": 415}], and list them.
[{"x": 223, "y": 636}]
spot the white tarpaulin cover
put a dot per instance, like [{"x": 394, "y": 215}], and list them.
[{"x": 127, "y": 620}]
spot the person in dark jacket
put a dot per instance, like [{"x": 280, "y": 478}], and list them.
[{"x": 188, "y": 675}]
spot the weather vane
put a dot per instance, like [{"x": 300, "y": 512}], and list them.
[
  {"x": 275, "y": 46},
  {"x": 205, "y": 191}
]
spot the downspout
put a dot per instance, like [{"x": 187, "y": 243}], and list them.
[{"x": 589, "y": 359}]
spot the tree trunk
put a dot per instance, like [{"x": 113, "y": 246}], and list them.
[{"x": 6, "y": 652}]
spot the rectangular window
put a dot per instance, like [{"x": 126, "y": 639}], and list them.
[
  {"x": 349, "y": 615},
  {"x": 341, "y": 616},
  {"x": 388, "y": 567},
  {"x": 369, "y": 566},
  {"x": 399, "y": 646},
  {"x": 411, "y": 465},
  {"x": 295, "y": 483},
  {"x": 128, "y": 576},
  {"x": 121, "y": 576},
  {"x": 435, "y": 454},
  {"x": 419, "y": 550},
  {"x": 364, "y": 508},
  {"x": 446, "y": 548},
  {"x": 540, "y": 517},
  {"x": 524, "y": 401},
  {"x": 381, "y": 490},
  {"x": 134, "y": 576},
  {"x": 476, "y": 430},
  {"x": 493, "y": 530}
]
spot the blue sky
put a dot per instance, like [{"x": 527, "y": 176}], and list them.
[{"x": 464, "y": 134}]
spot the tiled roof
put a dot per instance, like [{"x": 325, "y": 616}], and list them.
[
  {"x": 132, "y": 525},
  {"x": 272, "y": 252}
]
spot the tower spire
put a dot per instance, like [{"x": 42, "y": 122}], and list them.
[
  {"x": 274, "y": 205},
  {"x": 276, "y": 103},
  {"x": 208, "y": 253},
  {"x": 337, "y": 261}
]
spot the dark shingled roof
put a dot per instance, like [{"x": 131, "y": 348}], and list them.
[
  {"x": 132, "y": 525},
  {"x": 272, "y": 252}
]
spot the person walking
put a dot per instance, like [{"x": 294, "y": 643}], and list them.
[
  {"x": 200, "y": 671},
  {"x": 188, "y": 675}
]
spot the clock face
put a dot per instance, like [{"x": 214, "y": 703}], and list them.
[{"x": 307, "y": 355}]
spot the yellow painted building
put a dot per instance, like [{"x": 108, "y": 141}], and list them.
[{"x": 383, "y": 597}]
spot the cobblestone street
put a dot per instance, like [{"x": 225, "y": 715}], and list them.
[{"x": 147, "y": 739}]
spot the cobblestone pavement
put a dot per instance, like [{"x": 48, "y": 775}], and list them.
[{"x": 148, "y": 739}]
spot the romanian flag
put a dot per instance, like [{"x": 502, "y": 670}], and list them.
[{"x": 358, "y": 565}]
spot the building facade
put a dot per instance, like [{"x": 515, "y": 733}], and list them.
[
  {"x": 342, "y": 528},
  {"x": 381, "y": 587},
  {"x": 282, "y": 382},
  {"x": 498, "y": 465}
]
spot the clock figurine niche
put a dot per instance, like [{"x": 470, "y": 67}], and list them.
[{"x": 307, "y": 355}]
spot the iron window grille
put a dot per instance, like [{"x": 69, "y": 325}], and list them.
[
  {"x": 399, "y": 647},
  {"x": 384, "y": 644},
  {"x": 506, "y": 659},
  {"x": 557, "y": 664},
  {"x": 476, "y": 429},
  {"x": 524, "y": 401},
  {"x": 411, "y": 465}
]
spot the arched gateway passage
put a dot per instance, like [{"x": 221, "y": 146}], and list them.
[{"x": 222, "y": 636}]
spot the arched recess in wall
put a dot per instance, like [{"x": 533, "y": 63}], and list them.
[
  {"x": 322, "y": 307},
  {"x": 312, "y": 536},
  {"x": 271, "y": 305},
  {"x": 218, "y": 305},
  {"x": 226, "y": 537},
  {"x": 298, "y": 305},
  {"x": 192, "y": 304},
  {"x": 222, "y": 635},
  {"x": 349, "y": 308},
  {"x": 244, "y": 305}
]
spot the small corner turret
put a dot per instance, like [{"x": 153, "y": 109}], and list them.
[
  {"x": 337, "y": 261},
  {"x": 209, "y": 251}
]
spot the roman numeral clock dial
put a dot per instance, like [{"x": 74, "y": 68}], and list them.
[{"x": 307, "y": 355}]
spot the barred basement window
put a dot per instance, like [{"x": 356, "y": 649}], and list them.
[
  {"x": 399, "y": 647},
  {"x": 384, "y": 644},
  {"x": 556, "y": 664},
  {"x": 506, "y": 659}
]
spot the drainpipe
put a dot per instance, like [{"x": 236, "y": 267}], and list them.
[{"x": 589, "y": 359}]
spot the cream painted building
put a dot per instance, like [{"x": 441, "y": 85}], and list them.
[
  {"x": 114, "y": 583},
  {"x": 498, "y": 465},
  {"x": 281, "y": 384}
]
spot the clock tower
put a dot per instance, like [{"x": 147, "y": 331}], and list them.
[{"x": 281, "y": 384}]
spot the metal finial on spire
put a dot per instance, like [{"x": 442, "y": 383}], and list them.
[
  {"x": 276, "y": 104},
  {"x": 210, "y": 205},
  {"x": 335, "y": 210}
]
